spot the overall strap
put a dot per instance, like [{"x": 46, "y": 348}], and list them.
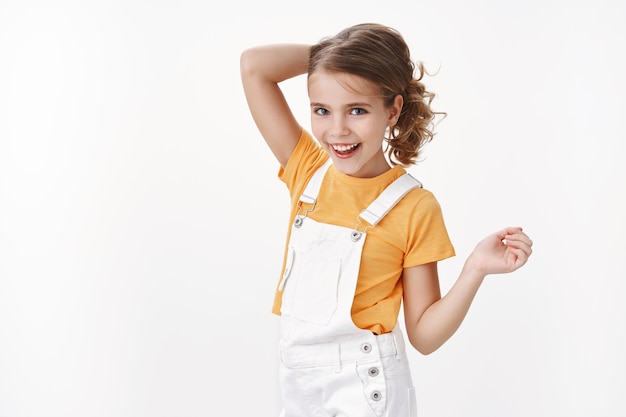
[
  {"x": 390, "y": 196},
  {"x": 309, "y": 195}
]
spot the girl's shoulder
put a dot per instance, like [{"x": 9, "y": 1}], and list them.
[{"x": 306, "y": 158}]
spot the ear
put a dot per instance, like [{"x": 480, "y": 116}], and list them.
[{"x": 394, "y": 110}]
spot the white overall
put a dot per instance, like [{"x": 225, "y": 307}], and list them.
[{"x": 329, "y": 366}]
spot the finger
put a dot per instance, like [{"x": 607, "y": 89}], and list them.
[
  {"x": 519, "y": 245},
  {"x": 519, "y": 237},
  {"x": 518, "y": 241},
  {"x": 514, "y": 230},
  {"x": 521, "y": 257},
  {"x": 501, "y": 234}
]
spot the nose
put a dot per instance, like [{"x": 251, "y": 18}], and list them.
[{"x": 339, "y": 127}]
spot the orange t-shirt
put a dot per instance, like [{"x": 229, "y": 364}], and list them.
[{"x": 412, "y": 233}]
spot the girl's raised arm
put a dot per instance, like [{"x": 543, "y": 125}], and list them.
[{"x": 262, "y": 68}]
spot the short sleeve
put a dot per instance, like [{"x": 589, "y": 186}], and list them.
[
  {"x": 428, "y": 239},
  {"x": 303, "y": 162}
]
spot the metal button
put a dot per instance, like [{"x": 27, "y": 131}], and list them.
[
  {"x": 373, "y": 372},
  {"x": 355, "y": 235},
  {"x": 298, "y": 222},
  {"x": 366, "y": 348},
  {"x": 377, "y": 396}
]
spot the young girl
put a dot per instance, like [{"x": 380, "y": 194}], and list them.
[{"x": 364, "y": 236}]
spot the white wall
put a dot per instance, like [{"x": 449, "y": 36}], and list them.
[{"x": 141, "y": 222}]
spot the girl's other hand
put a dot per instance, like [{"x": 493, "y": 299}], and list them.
[{"x": 502, "y": 252}]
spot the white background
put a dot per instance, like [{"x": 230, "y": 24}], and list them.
[{"x": 142, "y": 224}]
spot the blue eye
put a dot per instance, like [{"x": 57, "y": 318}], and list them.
[
  {"x": 320, "y": 111},
  {"x": 357, "y": 111}
]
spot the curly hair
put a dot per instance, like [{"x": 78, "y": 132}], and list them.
[{"x": 380, "y": 54}]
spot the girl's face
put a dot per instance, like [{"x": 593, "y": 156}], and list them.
[{"x": 349, "y": 119}]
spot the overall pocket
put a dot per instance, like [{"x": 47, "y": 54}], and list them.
[{"x": 310, "y": 287}]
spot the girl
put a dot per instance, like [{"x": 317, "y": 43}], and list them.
[{"x": 364, "y": 236}]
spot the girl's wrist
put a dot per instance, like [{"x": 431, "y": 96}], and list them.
[{"x": 472, "y": 270}]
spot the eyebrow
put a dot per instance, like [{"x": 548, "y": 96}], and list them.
[{"x": 349, "y": 105}]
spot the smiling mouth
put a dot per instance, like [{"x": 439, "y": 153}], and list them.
[{"x": 345, "y": 150}]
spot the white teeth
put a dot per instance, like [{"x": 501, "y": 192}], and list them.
[{"x": 344, "y": 148}]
